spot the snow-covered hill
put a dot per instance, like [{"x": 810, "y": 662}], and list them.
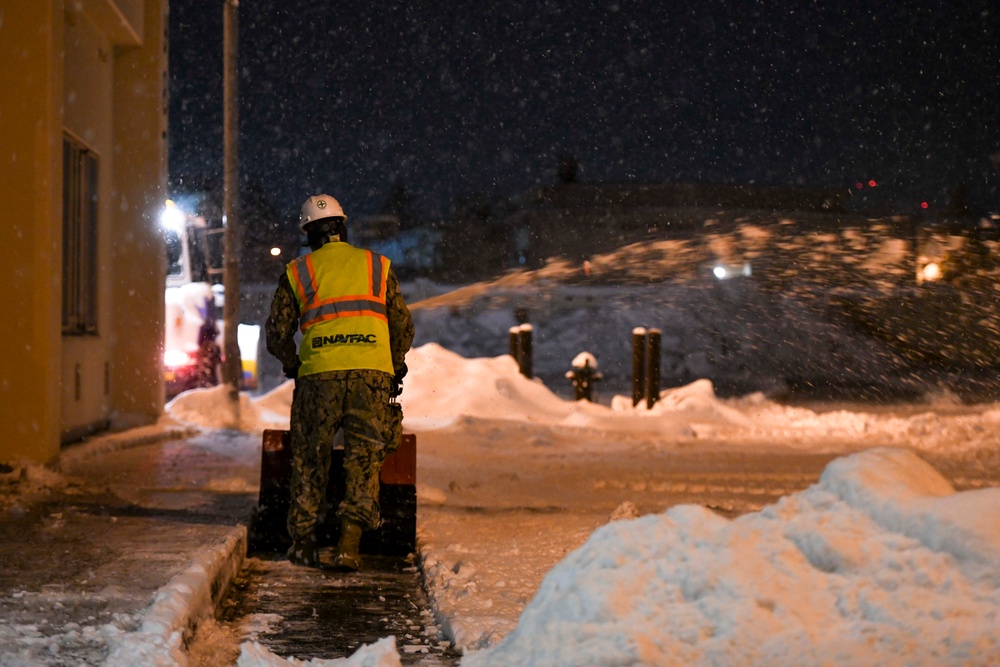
[{"x": 745, "y": 333}]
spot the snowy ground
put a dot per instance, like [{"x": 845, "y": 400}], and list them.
[
  {"x": 109, "y": 559},
  {"x": 554, "y": 532},
  {"x": 541, "y": 545}
]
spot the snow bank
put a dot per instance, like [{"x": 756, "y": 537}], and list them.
[
  {"x": 694, "y": 402},
  {"x": 380, "y": 654},
  {"x": 879, "y": 562},
  {"x": 178, "y": 607},
  {"x": 210, "y": 408},
  {"x": 442, "y": 386},
  {"x": 911, "y": 498}
]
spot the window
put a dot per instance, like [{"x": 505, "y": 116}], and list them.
[{"x": 79, "y": 290}]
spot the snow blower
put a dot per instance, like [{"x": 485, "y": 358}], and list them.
[{"x": 397, "y": 536}]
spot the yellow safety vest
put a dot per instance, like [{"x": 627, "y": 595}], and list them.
[{"x": 341, "y": 294}]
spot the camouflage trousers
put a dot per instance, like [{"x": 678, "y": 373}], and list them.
[{"x": 358, "y": 403}]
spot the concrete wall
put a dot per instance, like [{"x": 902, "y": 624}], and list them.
[
  {"x": 88, "y": 82},
  {"x": 139, "y": 254},
  {"x": 95, "y": 71},
  {"x": 31, "y": 76}
]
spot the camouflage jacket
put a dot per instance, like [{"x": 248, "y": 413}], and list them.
[{"x": 283, "y": 322}]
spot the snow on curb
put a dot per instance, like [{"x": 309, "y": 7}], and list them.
[
  {"x": 134, "y": 437},
  {"x": 178, "y": 607},
  {"x": 435, "y": 574},
  {"x": 439, "y": 580}
]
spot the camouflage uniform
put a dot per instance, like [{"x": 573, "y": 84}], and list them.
[{"x": 355, "y": 400}]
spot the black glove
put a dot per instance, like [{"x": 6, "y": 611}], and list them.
[
  {"x": 397, "y": 381},
  {"x": 291, "y": 373}
]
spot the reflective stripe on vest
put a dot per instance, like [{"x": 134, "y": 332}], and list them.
[
  {"x": 314, "y": 310},
  {"x": 341, "y": 294}
]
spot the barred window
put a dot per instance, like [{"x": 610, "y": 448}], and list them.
[{"x": 79, "y": 288}]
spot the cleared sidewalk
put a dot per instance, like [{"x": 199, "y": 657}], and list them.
[{"x": 115, "y": 557}]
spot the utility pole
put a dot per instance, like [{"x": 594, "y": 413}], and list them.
[{"x": 232, "y": 370}]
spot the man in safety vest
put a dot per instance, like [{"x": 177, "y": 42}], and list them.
[{"x": 356, "y": 330}]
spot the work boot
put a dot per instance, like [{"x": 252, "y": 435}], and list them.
[
  {"x": 348, "y": 555},
  {"x": 303, "y": 552}
]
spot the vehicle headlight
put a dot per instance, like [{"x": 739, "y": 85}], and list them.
[{"x": 176, "y": 358}]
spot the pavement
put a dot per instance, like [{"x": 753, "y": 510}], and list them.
[
  {"x": 115, "y": 554},
  {"x": 312, "y": 613}
]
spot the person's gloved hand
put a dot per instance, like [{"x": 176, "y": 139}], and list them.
[
  {"x": 291, "y": 372},
  {"x": 397, "y": 381}
]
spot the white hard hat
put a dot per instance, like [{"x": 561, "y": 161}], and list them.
[{"x": 319, "y": 207}]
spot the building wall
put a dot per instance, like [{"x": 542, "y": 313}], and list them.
[
  {"x": 97, "y": 72},
  {"x": 139, "y": 254},
  {"x": 30, "y": 233},
  {"x": 87, "y": 87}
]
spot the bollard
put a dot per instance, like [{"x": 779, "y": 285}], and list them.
[
  {"x": 652, "y": 367},
  {"x": 520, "y": 348},
  {"x": 526, "y": 359},
  {"x": 645, "y": 366},
  {"x": 638, "y": 365},
  {"x": 583, "y": 375}
]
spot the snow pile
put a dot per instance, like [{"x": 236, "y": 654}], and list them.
[
  {"x": 695, "y": 402},
  {"x": 483, "y": 388},
  {"x": 492, "y": 389},
  {"x": 210, "y": 408},
  {"x": 380, "y": 654},
  {"x": 879, "y": 561},
  {"x": 275, "y": 407}
]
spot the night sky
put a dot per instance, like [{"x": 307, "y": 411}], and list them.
[{"x": 457, "y": 98}]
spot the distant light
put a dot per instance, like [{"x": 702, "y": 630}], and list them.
[
  {"x": 720, "y": 272},
  {"x": 177, "y": 358},
  {"x": 924, "y": 205},
  {"x": 275, "y": 251},
  {"x": 872, "y": 183},
  {"x": 172, "y": 217},
  {"x": 859, "y": 185},
  {"x": 930, "y": 272}
]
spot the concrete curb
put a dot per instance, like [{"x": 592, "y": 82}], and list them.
[
  {"x": 109, "y": 442},
  {"x": 190, "y": 597}
]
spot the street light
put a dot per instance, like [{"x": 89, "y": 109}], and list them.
[{"x": 172, "y": 217}]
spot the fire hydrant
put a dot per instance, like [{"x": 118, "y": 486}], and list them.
[{"x": 583, "y": 375}]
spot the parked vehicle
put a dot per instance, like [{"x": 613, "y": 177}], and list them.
[{"x": 194, "y": 296}]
